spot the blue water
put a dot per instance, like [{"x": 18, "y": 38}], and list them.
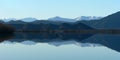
[{"x": 95, "y": 47}]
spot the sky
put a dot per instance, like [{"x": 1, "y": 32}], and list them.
[{"x": 43, "y": 9}]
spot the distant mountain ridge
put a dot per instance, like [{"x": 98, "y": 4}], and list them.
[
  {"x": 56, "y": 18},
  {"x": 29, "y": 19},
  {"x": 109, "y": 22}
]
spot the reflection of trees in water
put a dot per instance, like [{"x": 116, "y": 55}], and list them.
[
  {"x": 110, "y": 41},
  {"x": 40, "y": 37},
  {"x": 46, "y": 37},
  {"x": 6, "y": 32},
  {"x": 4, "y": 37}
]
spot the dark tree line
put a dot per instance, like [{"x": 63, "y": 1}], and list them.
[
  {"x": 49, "y": 26},
  {"x": 6, "y": 28}
]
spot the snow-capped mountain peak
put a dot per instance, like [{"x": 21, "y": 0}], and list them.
[
  {"x": 88, "y": 18},
  {"x": 57, "y": 18}
]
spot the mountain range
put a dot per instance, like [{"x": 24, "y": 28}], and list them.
[
  {"x": 109, "y": 22},
  {"x": 56, "y": 18}
]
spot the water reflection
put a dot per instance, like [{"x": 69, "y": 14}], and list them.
[
  {"x": 4, "y": 37},
  {"x": 110, "y": 41}
]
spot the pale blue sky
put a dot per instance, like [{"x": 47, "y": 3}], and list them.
[{"x": 43, "y": 9}]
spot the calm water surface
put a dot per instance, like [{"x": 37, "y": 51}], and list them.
[{"x": 32, "y": 46}]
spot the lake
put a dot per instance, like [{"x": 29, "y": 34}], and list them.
[{"x": 36, "y": 46}]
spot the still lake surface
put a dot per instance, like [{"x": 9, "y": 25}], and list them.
[{"x": 36, "y": 46}]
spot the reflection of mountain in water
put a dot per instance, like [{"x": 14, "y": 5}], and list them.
[{"x": 110, "y": 41}]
